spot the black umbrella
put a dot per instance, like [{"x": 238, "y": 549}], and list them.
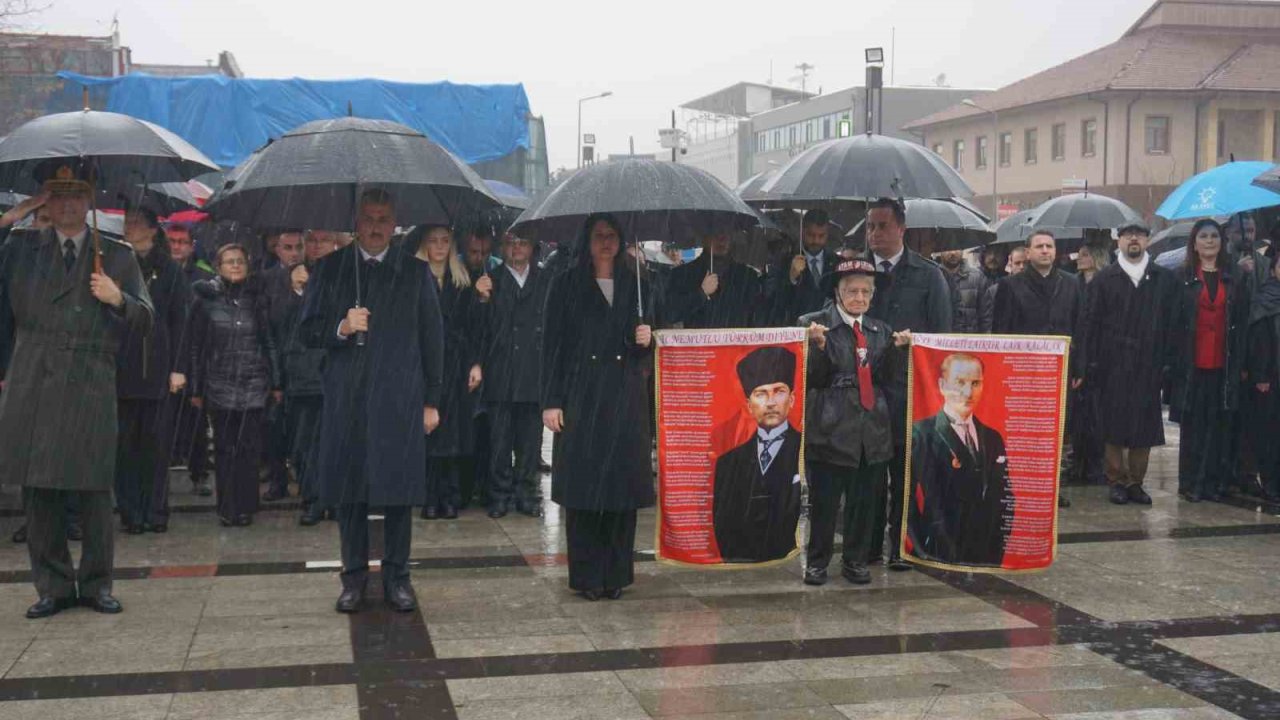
[
  {"x": 1015, "y": 229},
  {"x": 126, "y": 152},
  {"x": 749, "y": 189},
  {"x": 1082, "y": 211},
  {"x": 653, "y": 200},
  {"x": 1170, "y": 238},
  {"x": 313, "y": 176},
  {"x": 862, "y": 167}
]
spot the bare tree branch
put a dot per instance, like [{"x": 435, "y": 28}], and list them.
[{"x": 15, "y": 13}]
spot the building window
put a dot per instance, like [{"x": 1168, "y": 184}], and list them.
[
  {"x": 937, "y": 149},
  {"x": 777, "y": 140},
  {"x": 980, "y": 152},
  {"x": 791, "y": 136},
  {"x": 1157, "y": 134},
  {"x": 1006, "y": 149},
  {"x": 1089, "y": 137},
  {"x": 957, "y": 155},
  {"x": 826, "y": 128},
  {"x": 1059, "y": 141},
  {"x": 808, "y": 133},
  {"x": 1030, "y": 146}
]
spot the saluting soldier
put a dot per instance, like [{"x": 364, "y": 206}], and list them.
[{"x": 67, "y": 316}]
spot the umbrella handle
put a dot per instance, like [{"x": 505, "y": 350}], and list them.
[{"x": 639, "y": 298}]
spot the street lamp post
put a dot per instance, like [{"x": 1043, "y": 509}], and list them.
[
  {"x": 995, "y": 146},
  {"x": 578, "y": 141}
]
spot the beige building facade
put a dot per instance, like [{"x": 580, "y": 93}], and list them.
[{"x": 1131, "y": 120}]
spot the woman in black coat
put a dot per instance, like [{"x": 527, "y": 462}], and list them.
[
  {"x": 450, "y": 461},
  {"x": 848, "y": 445},
  {"x": 595, "y": 399},
  {"x": 149, "y": 368},
  {"x": 234, "y": 366},
  {"x": 1212, "y": 319},
  {"x": 1263, "y": 362}
]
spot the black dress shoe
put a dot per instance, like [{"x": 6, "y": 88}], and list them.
[
  {"x": 310, "y": 517},
  {"x": 274, "y": 493},
  {"x": 858, "y": 574},
  {"x": 613, "y": 593},
  {"x": 134, "y": 529},
  {"x": 20, "y": 535},
  {"x": 815, "y": 576},
  {"x": 897, "y": 564},
  {"x": 430, "y": 512},
  {"x": 532, "y": 509},
  {"x": 103, "y": 602},
  {"x": 497, "y": 512},
  {"x": 226, "y": 522},
  {"x": 401, "y": 597},
  {"x": 47, "y": 606},
  {"x": 1138, "y": 495},
  {"x": 1064, "y": 501},
  {"x": 244, "y": 520},
  {"x": 201, "y": 488},
  {"x": 592, "y": 595},
  {"x": 1191, "y": 497},
  {"x": 160, "y": 528},
  {"x": 350, "y": 599},
  {"x": 1119, "y": 495},
  {"x": 448, "y": 512}
]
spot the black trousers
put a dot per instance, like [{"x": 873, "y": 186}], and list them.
[
  {"x": 517, "y": 447},
  {"x": 237, "y": 446},
  {"x": 449, "y": 479},
  {"x": 304, "y": 431},
  {"x": 480, "y": 459},
  {"x": 52, "y": 571},
  {"x": 1266, "y": 430},
  {"x": 137, "y": 452},
  {"x": 1202, "y": 465},
  {"x": 276, "y": 451},
  {"x": 888, "y": 517},
  {"x": 353, "y": 530},
  {"x": 189, "y": 439},
  {"x": 601, "y": 548},
  {"x": 859, "y": 486}
]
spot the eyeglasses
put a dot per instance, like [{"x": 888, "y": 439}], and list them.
[{"x": 234, "y": 261}]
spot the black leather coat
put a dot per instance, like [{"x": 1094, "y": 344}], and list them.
[{"x": 234, "y": 362}]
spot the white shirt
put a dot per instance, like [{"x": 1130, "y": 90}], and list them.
[
  {"x": 1135, "y": 271},
  {"x": 520, "y": 277},
  {"x": 78, "y": 239},
  {"x": 763, "y": 436},
  {"x": 606, "y": 287},
  {"x": 893, "y": 261},
  {"x": 849, "y": 319},
  {"x": 965, "y": 429}
]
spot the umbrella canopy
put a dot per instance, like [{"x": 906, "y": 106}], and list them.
[
  {"x": 1225, "y": 190},
  {"x": 652, "y": 200},
  {"x": 126, "y": 152},
  {"x": 509, "y": 195},
  {"x": 950, "y": 224},
  {"x": 866, "y": 166},
  {"x": 1082, "y": 211},
  {"x": 1170, "y": 238},
  {"x": 1015, "y": 229},
  {"x": 750, "y": 189},
  {"x": 314, "y": 174}
]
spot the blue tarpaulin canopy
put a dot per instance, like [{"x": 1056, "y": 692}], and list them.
[{"x": 228, "y": 118}]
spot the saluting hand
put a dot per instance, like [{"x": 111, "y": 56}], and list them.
[
  {"x": 430, "y": 419},
  {"x": 484, "y": 287},
  {"x": 553, "y": 419},
  {"x": 106, "y": 290},
  {"x": 644, "y": 335},
  {"x": 818, "y": 334}
]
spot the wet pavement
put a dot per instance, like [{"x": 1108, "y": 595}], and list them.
[{"x": 1166, "y": 612}]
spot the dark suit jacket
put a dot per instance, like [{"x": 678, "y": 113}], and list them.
[
  {"x": 958, "y": 503},
  {"x": 755, "y": 514}
]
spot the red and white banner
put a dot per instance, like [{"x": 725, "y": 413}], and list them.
[
  {"x": 730, "y": 444},
  {"x": 986, "y": 417}
]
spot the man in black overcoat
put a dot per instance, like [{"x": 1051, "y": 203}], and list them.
[
  {"x": 58, "y": 410},
  {"x": 757, "y": 484},
  {"x": 282, "y": 301},
  {"x": 186, "y": 426},
  {"x": 382, "y": 393},
  {"x": 1128, "y": 346},
  {"x": 714, "y": 291},
  {"x": 911, "y": 294},
  {"x": 1040, "y": 300},
  {"x": 808, "y": 283},
  {"x": 513, "y": 361},
  {"x": 962, "y": 503}
]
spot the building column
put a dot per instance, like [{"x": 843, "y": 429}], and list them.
[
  {"x": 1268, "y": 133},
  {"x": 1209, "y": 146}
]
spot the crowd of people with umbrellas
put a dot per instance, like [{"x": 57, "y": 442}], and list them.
[{"x": 356, "y": 313}]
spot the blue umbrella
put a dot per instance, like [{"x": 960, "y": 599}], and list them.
[{"x": 1225, "y": 190}]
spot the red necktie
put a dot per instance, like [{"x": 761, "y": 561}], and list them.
[{"x": 866, "y": 393}]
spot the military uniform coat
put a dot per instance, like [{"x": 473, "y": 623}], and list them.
[
  {"x": 58, "y": 409},
  {"x": 371, "y": 447}
]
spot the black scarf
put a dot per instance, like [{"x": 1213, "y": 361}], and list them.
[{"x": 1043, "y": 286}]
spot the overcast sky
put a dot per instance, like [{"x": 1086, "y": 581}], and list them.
[{"x": 653, "y": 54}]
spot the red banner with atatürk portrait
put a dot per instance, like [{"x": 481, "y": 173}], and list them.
[
  {"x": 730, "y": 445},
  {"x": 986, "y": 418}
]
